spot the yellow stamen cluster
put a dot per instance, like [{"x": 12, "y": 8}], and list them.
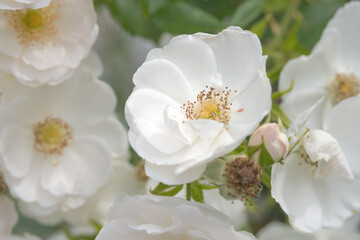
[
  {"x": 345, "y": 86},
  {"x": 51, "y": 136},
  {"x": 209, "y": 104},
  {"x": 34, "y": 25},
  {"x": 243, "y": 177}
]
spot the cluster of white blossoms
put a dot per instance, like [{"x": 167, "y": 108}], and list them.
[
  {"x": 61, "y": 145},
  {"x": 199, "y": 117},
  {"x": 318, "y": 184}
]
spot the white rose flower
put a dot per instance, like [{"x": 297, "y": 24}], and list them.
[
  {"x": 315, "y": 186},
  {"x": 8, "y": 216},
  {"x": 57, "y": 143},
  {"x": 195, "y": 100},
  {"x": 21, "y": 4},
  {"x": 44, "y": 46},
  {"x": 331, "y": 70},
  {"x": 123, "y": 179},
  {"x": 280, "y": 231},
  {"x": 155, "y": 217}
]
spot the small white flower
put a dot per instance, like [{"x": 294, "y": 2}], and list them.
[
  {"x": 45, "y": 45},
  {"x": 280, "y": 231},
  {"x": 315, "y": 186},
  {"x": 8, "y": 216},
  {"x": 276, "y": 142},
  {"x": 195, "y": 100},
  {"x": 331, "y": 70},
  {"x": 22, "y": 4},
  {"x": 57, "y": 143},
  {"x": 155, "y": 217}
]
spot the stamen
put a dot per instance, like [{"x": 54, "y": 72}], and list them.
[
  {"x": 345, "y": 86},
  {"x": 243, "y": 176},
  {"x": 34, "y": 25},
  {"x": 209, "y": 104},
  {"x": 51, "y": 136}
]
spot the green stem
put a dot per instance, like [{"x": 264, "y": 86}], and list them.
[{"x": 188, "y": 191}]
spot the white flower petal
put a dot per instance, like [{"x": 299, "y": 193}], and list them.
[
  {"x": 344, "y": 22},
  {"x": 304, "y": 100},
  {"x": 9, "y": 43},
  {"x": 166, "y": 174},
  {"x": 17, "y": 147},
  {"x": 80, "y": 170},
  {"x": 164, "y": 76},
  {"x": 8, "y": 216},
  {"x": 342, "y": 122},
  {"x": 82, "y": 110},
  {"x": 315, "y": 70},
  {"x": 113, "y": 133},
  {"x": 238, "y": 55},
  {"x": 43, "y": 57},
  {"x": 193, "y": 50},
  {"x": 288, "y": 182},
  {"x": 206, "y": 128}
]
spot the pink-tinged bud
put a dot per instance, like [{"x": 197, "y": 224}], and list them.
[{"x": 275, "y": 141}]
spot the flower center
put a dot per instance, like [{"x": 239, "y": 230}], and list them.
[
  {"x": 51, "y": 136},
  {"x": 34, "y": 25},
  {"x": 33, "y": 19},
  {"x": 209, "y": 104},
  {"x": 243, "y": 176},
  {"x": 345, "y": 86}
]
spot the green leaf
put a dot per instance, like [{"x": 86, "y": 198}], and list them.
[
  {"x": 155, "y": 5},
  {"x": 259, "y": 27},
  {"x": 196, "y": 192},
  {"x": 182, "y": 18},
  {"x": 166, "y": 190},
  {"x": 247, "y": 12},
  {"x": 266, "y": 180},
  {"x": 279, "y": 94},
  {"x": 130, "y": 14},
  {"x": 265, "y": 159},
  {"x": 252, "y": 150},
  {"x": 276, "y": 113}
]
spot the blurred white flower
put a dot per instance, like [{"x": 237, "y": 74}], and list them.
[
  {"x": 58, "y": 142},
  {"x": 276, "y": 142},
  {"x": 44, "y": 46},
  {"x": 280, "y": 231},
  {"x": 8, "y": 216},
  {"x": 22, "y": 4},
  {"x": 195, "y": 100},
  {"x": 26, "y": 236},
  {"x": 123, "y": 179},
  {"x": 155, "y": 217},
  {"x": 315, "y": 186},
  {"x": 331, "y": 70}
]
